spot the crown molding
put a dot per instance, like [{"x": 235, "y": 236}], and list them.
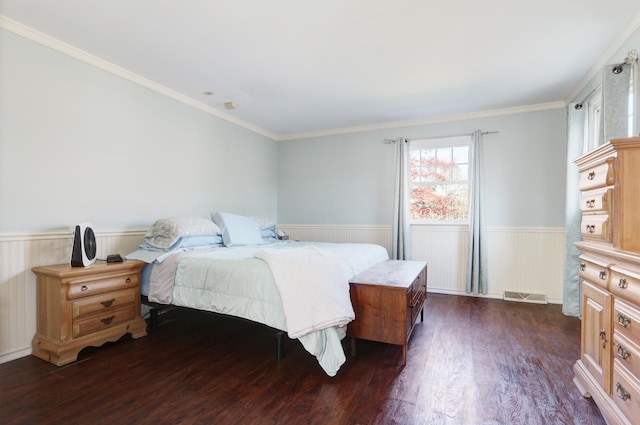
[
  {"x": 617, "y": 44},
  {"x": 86, "y": 57},
  {"x": 429, "y": 120}
]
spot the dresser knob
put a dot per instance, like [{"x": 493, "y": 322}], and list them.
[
  {"x": 603, "y": 274},
  {"x": 622, "y": 392},
  {"x": 623, "y": 320},
  {"x": 603, "y": 338},
  {"x": 128, "y": 280},
  {"x": 107, "y": 320},
  {"x": 591, "y": 203},
  {"x": 107, "y": 303},
  {"x": 590, "y": 228},
  {"x": 84, "y": 288},
  {"x": 623, "y": 353},
  {"x": 591, "y": 175},
  {"x": 622, "y": 283},
  {"x": 583, "y": 266}
]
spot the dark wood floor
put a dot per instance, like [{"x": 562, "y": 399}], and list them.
[{"x": 472, "y": 361}]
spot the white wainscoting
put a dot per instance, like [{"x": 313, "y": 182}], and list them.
[
  {"x": 528, "y": 260},
  {"x": 18, "y": 254},
  {"x": 520, "y": 259}
]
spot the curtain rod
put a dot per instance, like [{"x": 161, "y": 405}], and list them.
[{"x": 389, "y": 141}]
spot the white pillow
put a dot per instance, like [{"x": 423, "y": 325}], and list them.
[
  {"x": 165, "y": 232},
  {"x": 237, "y": 229}
]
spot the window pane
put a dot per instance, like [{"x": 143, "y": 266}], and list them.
[
  {"x": 461, "y": 154},
  {"x": 440, "y": 202},
  {"x": 439, "y": 181},
  {"x": 462, "y": 172}
]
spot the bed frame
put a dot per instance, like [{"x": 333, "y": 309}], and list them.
[{"x": 156, "y": 308}]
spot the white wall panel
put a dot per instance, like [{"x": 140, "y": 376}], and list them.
[
  {"x": 526, "y": 260},
  {"x": 520, "y": 259}
]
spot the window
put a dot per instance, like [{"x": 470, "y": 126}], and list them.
[
  {"x": 439, "y": 179},
  {"x": 592, "y": 123}
]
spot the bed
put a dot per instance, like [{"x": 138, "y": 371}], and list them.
[{"x": 238, "y": 267}]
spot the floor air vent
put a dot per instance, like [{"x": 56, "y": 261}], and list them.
[{"x": 524, "y": 297}]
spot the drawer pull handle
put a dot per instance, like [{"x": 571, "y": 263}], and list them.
[
  {"x": 603, "y": 337},
  {"x": 107, "y": 320},
  {"x": 591, "y": 203},
  {"x": 583, "y": 266},
  {"x": 603, "y": 274},
  {"x": 419, "y": 299},
  {"x": 623, "y": 320},
  {"x": 107, "y": 303},
  {"x": 591, "y": 175},
  {"x": 590, "y": 228},
  {"x": 622, "y": 392},
  {"x": 623, "y": 353},
  {"x": 84, "y": 288},
  {"x": 622, "y": 283},
  {"x": 128, "y": 280}
]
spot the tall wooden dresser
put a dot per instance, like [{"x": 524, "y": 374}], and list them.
[{"x": 609, "y": 365}]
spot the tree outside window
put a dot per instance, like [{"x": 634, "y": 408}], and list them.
[{"x": 439, "y": 179}]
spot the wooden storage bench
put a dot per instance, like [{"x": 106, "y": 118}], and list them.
[{"x": 387, "y": 299}]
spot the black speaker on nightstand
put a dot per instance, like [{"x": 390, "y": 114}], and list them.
[{"x": 84, "y": 246}]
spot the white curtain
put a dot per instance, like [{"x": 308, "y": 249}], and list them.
[
  {"x": 476, "y": 262},
  {"x": 576, "y": 117},
  {"x": 401, "y": 225},
  {"x": 615, "y": 101}
]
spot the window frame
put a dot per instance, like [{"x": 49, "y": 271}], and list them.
[
  {"x": 593, "y": 121},
  {"x": 435, "y": 143}
]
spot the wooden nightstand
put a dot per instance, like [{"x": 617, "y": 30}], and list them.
[
  {"x": 387, "y": 299},
  {"x": 80, "y": 307}
]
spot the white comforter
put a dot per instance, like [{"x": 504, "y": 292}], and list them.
[{"x": 314, "y": 289}]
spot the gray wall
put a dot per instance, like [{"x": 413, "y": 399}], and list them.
[
  {"x": 81, "y": 144},
  {"x": 348, "y": 179}
]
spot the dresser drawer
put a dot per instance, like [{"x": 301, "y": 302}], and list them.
[
  {"x": 600, "y": 175},
  {"x": 595, "y": 227},
  {"x": 103, "y": 320},
  {"x": 625, "y": 284},
  {"x": 596, "y": 201},
  {"x": 100, "y": 302},
  {"x": 594, "y": 270},
  {"x": 627, "y": 352},
  {"x": 626, "y": 320},
  {"x": 626, "y": 391},
  {"x": 98, "y": 286}
]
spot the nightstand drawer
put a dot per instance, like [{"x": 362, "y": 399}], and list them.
[
  {"x": 104, "y": 320},
  {"x": 92, "y": 287},
  {"x": 100, "y": 302}
]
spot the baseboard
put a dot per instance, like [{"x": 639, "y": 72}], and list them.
[{"x": 14, "y": 355}]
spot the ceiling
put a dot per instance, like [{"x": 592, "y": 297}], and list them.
[{"x": 296, "y": 68}]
